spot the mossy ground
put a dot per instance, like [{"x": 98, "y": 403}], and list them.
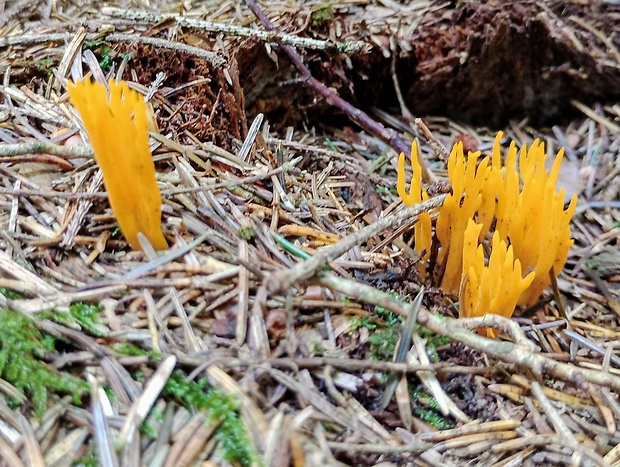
[{"x": 23, "y": 350}]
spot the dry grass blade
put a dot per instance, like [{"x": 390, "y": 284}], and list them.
[
  {"x": 404, "y": 402},
  {"x": 189, "y": 440},
  {"x": 106, "y": 451},
  {"x": 277, "y": 446},
  {"x": 243, "y": 294},
  {"x": 33, "y": 449},
  {"x": 446, "y": 404},
  {"x": 143, "y": 404},
  {"x": 10, "y": 267},
  {"x": 9, "y": 455},
  {"x": 255, "y": 419},
  {"x": 66, "y": 449}
]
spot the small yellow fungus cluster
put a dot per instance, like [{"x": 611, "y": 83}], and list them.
[
  {"x": 516, "y": 206},
  {"x": 495, "y": 288},
  {"x": 117, "y": 122},
  {"x": 423, "y": 227}
]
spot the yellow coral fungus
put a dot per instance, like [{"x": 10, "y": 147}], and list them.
[
  {"x": 423, "y": 227},
  {"x": 531, "y": 228},
  {"x": 467, "y": 179},
  {"x": 495, "y": 288},
  {"x": 116, "y": 122},
  {"x": 535, "y": 220}
]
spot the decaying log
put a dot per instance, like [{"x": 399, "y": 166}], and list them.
[{"x": 485, "y": 62}]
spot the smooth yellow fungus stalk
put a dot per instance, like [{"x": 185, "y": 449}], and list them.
[
  {"x": 116, "y": 122},
  {"x": 423, "y": 227},
  {"x": 510, "y": 189},
  {"x": 495, "y": 288}
]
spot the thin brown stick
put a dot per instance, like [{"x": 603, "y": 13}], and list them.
[
  {"x": 282, "y": 280},
  {"x": 347, "y": 364},
  {"x": 358, "y": 116},
  {"x": 211, "y": 57},
  {"x": 432, "y": 141},
  {"x": 39, "y": 147},
  {"x": 507, "y": 352}
]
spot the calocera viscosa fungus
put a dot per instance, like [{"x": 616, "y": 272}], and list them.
[
  {"x": 494, "y": 287},
  {"x": 116, "y": 123},
  {"x": 517, "y": 204},
  {"x": 416, "y": 194}
]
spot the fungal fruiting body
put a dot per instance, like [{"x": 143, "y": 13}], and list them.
[
  {"x": 416, "y": 194},
  {"x": 116, "y": 123},
  {"x": 534, "y": 218},
  {"x": 492, "y": 286},
  {"x": 515, "y": 209}
]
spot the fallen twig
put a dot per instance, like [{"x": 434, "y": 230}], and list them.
[
  {"x": 213, "y": 58},
  {"x": 361, "y": 118},
  {"x": 282, "y": 280},
  {"x": 346, "y": 364},
  {"x": 348, "y": 47},
  {"x": 40, "y": 147},
  {"x": 26, "y": 39},
  {"x": 504, "y": 351}
]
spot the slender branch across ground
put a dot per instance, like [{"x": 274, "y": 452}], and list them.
[
  {"x": 504, "y": 351},
  {"x": 280, "y": 281},
  {"x": 40, "y": 147},
  {"x": 148, "y": 17},
  {"x": 387, "y": 135},
  {"x": 27, "y": 39}
]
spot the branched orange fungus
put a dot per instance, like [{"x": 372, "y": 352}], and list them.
[
  {"x": 539, "y": 227},
  {"x": 423, "y": 227},
  {"x": 116, "y": 122},
  {"x": 495, "y": 288},
  {"x": 462, "y": 204},
  {"x": 530, "y": 227}
]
